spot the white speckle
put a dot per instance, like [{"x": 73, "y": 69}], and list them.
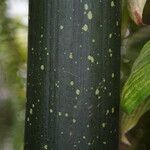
[
  {"x": 88, "y": 68},
  {"x": 42, "y": 67},
  {"x": 85, "y": 13},
  {"x": 45, "y": 146},
  {"x": 90, "y": 15},
  {"x": 59, "y": 113},
  {"x": 87, "y": 125},
  {"x": 104, "y": 80},
  {"x": 74, "y": 120},
  {"x": 78, "y": 92},
  {"x": 112, "y": 4},
  {"x": 75, "y": 145},
  {"x": 99, "y": 97},
  {"x": 117, "y": 23},
  {"x": 71, "y": 56},
  {"x": 51, "y": 110},
  {"x": 41, "y": 35},
  {"x": 71, "y": 83},
  {"x": 89, "y": 143},
  {"x": 110, "y": 50},
  {"x": 86, "y": 7},
  {"x": 61, "y": 27},
  {"x": 91, "y": 58},
  {"x": 97, "y": 92},
  {"x": 33, "y": 105},
  {"x": 47, "y": 53},
  {"x": 70, "y": 133},
  {"x": 103, "y": 125},
  {"x": 84, "y": 137},
  {"x": 93, "y": 40},
  {"x": 31, "y": 111},
  {"x": 112, "y": 75},
  {"x": 107, "y": 112},
  {"x": 109, "y": 94},
  {"x": 66, "y": 114},
  {"x": 110, "y": 35},
  {"x": 104, "y": 142},
  {"x": 28, "y": 119},
  {"x": 79, "y": 141},
  {"x": 57, "y": 85},
  {"x": 113, "y": 110},
  {"x": 85, "y": 27},
  {"x": 75, "y": 106}
]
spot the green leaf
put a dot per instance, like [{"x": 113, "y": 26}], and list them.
[
  {"x": 130, "y": 121},
  {"x": 137, "y": 87}
]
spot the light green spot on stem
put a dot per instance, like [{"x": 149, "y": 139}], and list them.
[
  {"x": 85, "y": 27},
  {"x": 31, "y": 111},
  {"x": 71, "y": 83},
  {"x": 78, "y": 92},
  {"x": 110, "y": 35},
  {"x": 103, "y": 125},
  {"x": 112, "y": 75},
  {"x": 71, "y": 56},
  {"x": 45, "y": 146},
  {"x": 113, "y": 110},
  {"x": 91, "y": 58},
  {"x": 97, "y": 92},
  {"x": 66, "y": 114},
  {"x": 42, "y": 67},
  {"x": 93, "y": 40},
  {"x": 61, "y": 27},
  {"x": 112, "y": 4},
  {"x": 51, "y": 111},
  {"x": 86, "y": 7},
  {"x": 90, "y": 15},
  {"x": 74, "y": 120}
]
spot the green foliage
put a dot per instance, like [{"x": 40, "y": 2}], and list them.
[
  {"x": 12, "y": 79},
  {"x": 129, "y": 121},
  {"x": 137, "y": 87},
  {"x": 135, "y": 73}
]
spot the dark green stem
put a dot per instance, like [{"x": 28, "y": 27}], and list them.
[{"x": 73, "y": 75}]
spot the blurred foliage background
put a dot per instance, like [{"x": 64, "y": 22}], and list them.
[{"x": 13, "y": 54}]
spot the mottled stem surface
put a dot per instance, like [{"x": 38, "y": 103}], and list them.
[{"x": 73, "y": 75}]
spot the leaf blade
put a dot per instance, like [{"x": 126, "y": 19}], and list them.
[{"x": 137, "y": 87}]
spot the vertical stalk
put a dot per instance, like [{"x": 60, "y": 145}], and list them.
[{"x": 73, "y": 75}]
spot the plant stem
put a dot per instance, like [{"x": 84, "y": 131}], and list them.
[{"x": 73, "y": 75}]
